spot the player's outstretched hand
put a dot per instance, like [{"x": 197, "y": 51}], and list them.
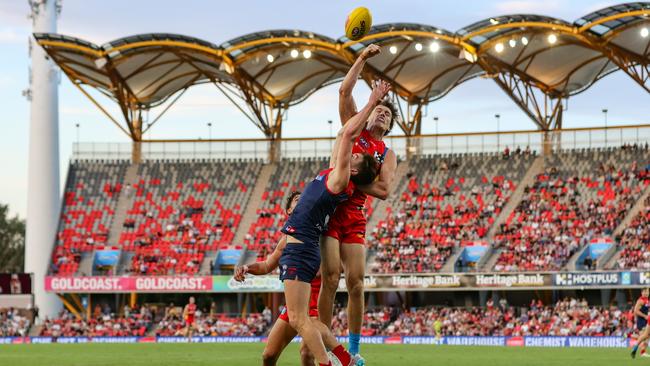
[
  {"x": 379, "y": 90},
  {"x": 240, "y": 273},
  {"x": 370, "y": 51}
]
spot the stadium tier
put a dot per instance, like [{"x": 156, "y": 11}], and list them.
[
  {"x": 90, "y": 197},
  {"x": 580, "y": 195},
  {"x": 182, "y": 210},
  {"x": 181, "y": 217},
  {"x": 443, "y": 203}
]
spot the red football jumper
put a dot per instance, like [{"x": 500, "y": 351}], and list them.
[
  {"x": 191, "y": 310},
  {"x": 348, "y": 224}
]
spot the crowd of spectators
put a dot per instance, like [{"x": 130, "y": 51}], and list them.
[
  {"x": 562, "y": 210},
  {"x": 264, "y": 233},
  {"x": 567, "y": 317},
  {"x": 635, "y": 241},
  {"x": 13, "y": 323},
  {"x": 139, "y": 321},
  {"x": 102, "y": 323},
  {"x": 219, "y": 325},
  {"x": 444, "y": 204},
  {"x": 213, "y": 324}
]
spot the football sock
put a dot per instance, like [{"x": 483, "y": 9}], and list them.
[
  {"x": 354, "y": 343},
  {"x": 342, "y": 355}
]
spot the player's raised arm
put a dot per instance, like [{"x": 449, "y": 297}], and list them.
[
  {"x": 384, "y": 183},
  {"x": 347, "y": 107},
  {"x": 340, "y": 176},
  {"x": 261, "y": 268}
]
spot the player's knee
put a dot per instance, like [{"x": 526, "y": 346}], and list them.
[
  {"x": 269, "y": 358},
  {"x": 297, "y": 321},
  {"x": 355, "y": 286},
  {"x": 327, "y": 269},
  {"x": 330, "y": 281}
]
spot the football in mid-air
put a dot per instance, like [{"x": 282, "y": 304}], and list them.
[{"x": 358, "y": 23}]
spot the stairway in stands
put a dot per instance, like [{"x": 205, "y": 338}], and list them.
[
  {"x": 250, "y": 214},
  {"x": 535, "y": 168},
  {"x": 638, "y": 206},
  {"x": 124, "y": 202}
]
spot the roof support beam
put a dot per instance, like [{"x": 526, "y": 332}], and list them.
[
  {"x": 536, "y": 99},
  {"x": 638, "y": 68},
  {"x": 410, "y": 121},
  {"x": 99, "y": 106},
  {"x": 162, "y": 113},
  {"x": 266, "y": 114},
  {"x": 544, "y": 109}
]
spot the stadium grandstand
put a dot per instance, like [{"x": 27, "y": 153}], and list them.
[{"x": 515, "y": 234}]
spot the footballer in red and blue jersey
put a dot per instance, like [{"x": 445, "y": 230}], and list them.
[{"x": 301, "y": 260}]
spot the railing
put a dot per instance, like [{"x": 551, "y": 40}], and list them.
[{"x": 402, "y": 145}]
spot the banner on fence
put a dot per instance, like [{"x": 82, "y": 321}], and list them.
[
  {"x": 414, "y": 282},
  {"x": 128, "y": 284},
  {"x": 533, "y": 341}
]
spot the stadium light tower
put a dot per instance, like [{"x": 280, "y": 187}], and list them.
[
  {"x": 498, "y": 117},
  {"x": 435, "y": 121},
  {"x": 43, "y": 201},
  {"x": 210, "y": 139},
  {"x": 605, "y": 115}
]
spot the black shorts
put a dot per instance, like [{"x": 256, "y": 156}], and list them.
[{"x": 300, "y": 261}]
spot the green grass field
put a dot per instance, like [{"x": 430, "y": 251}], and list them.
[{"x": 249, "y": 354}]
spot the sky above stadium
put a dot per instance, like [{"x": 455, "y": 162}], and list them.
[{"x": 470, "y": 107}]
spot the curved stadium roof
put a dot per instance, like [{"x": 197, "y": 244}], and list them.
[
  {"x": 283, "y": 67},
  {"x": 290, "y": 77},
  {"x": 425, "y": 64},
  {"x": 546, "y": 50},
  {"x": 143, "y": 70}
]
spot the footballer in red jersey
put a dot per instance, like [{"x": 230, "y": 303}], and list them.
[
  {"x": 189, "y": 314},
  {"x": 344, "y": 241}
]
